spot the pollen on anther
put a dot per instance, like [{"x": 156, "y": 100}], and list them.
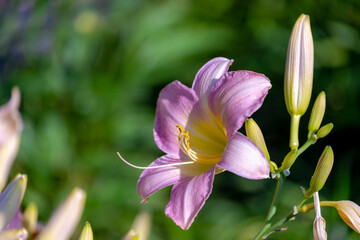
[{"x": 181, "y": 129}]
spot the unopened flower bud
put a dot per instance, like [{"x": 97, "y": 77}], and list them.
[
  {"x": 289, "y": 160},
  {"x": 86, "y": 233},
  {"x": 10, "y": 130},
  {"x": 317, "y": 113},
  {"x": 65, "y": 218},
  {"x": 322, "y": 171},
  {"x": 298, "y": 75},
  {"x": 299, "y": 67},
  {"x": 253, "y": 132},
  {"x": 11, "y": 198},
  {"x": 141, "y": 227},
  {"x": 30, "y": 217},
  {"x": 324, "y": 130}
]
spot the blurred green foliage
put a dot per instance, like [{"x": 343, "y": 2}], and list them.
[{"x": 90, "y": 72}]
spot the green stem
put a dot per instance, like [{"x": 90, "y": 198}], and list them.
[
  {"x": 306, "y": 145},
  {"x": 273, "y": 206},
  {"x": 294, "y": 131},
  {"x": 308, "y": 207},
  {"x": 294, "y": 144},
  {"x": 286, "y": 164},
  {"x": 289, "y": 216}
]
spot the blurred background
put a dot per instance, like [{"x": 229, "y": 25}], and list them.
[{"x": 90, "y": 72}]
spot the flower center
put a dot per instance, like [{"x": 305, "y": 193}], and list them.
[{"x": 184, "y": 144}]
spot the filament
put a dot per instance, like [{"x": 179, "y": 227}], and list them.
[{"x": 154, "y": 167}]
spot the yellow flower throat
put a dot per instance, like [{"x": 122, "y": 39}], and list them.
[{"x": 195, "y": 156}]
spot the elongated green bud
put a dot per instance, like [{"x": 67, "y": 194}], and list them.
[
  {"x": 317, "y": 113},
  {"x": 289, "y": 160},
  {"x": 322, "y": 171},
  {"x": 86, "y": 233},
  {"x": 324, "y": 130},
  {"x": 253, "y": 132}
]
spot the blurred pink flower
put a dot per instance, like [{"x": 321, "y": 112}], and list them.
[{"x": 10, "y": 130}]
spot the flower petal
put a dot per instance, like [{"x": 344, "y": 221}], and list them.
[
  {"x": 17, "y": 221},
  {"x": 244, "y": 158},
  {"x": 209, "y": 74},
  {"x": 188, "y": 197},
  {"x": 350, "y": 213},
  {"x": 236, "y": 96},
  {"x": 174, "y": 105},
  {"x": 152, "y": 180}
]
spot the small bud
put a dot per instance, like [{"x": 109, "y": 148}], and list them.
[
  {"x": 289, "y": 160},
  {"x": 30, "y": 217},
  {"x": 322, "y": 171},
  {"x": 317, "y": 113},
  {"x": 299, "y": 67},
  {"x": 86, "y": 233},
  {"x": 253, "y": 132},
  {"x": 65, "y": 218},
  {"x": 350, "y": 213},
  {"x": 324, "y": 130},
  {"x": 10, "y": 199}
]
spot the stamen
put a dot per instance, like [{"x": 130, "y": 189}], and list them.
[
  {"x": 184, "y": 144},
  {"x": 154, "y": 167}
]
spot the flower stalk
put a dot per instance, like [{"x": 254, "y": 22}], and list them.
[{"x": 273, "y": 207}]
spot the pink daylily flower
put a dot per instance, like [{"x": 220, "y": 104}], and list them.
[{"x": 197, "y": 128}]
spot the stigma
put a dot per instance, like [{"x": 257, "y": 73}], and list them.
[{"x": 184, "y": 144}]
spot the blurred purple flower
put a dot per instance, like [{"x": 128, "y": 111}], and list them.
[{"x": 197, "y": 129}]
